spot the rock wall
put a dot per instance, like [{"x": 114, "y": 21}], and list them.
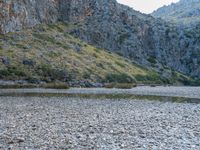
[
  {"x": 17, "y": 14},
  {"x": 151, "y": 42}
]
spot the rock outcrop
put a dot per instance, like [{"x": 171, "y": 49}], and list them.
[{"x": 17, "y": 14}]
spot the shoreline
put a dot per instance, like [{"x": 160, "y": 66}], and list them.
[{"x": 172, "y": 91}]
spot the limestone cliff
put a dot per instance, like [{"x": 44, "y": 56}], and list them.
[
  {"x": 17, "y": 14},
  {"x": 141, "y": 38}
]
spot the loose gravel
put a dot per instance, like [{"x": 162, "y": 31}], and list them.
[{"x": 61, "y": 123}]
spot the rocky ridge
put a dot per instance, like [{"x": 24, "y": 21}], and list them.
[{"x": 185, "y": 13}]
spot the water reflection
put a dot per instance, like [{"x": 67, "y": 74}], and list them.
[{"x": 106, "y": 96}]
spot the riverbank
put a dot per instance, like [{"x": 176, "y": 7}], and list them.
[{"x": 169, "y": 91}]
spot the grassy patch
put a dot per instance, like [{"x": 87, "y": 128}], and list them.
[
  {"x": 120, "y": 78},
  {"x": 18, "y": 86},
  {"x": 120, "y": 85},
  {"x": 55, "y": 85},
  {"x": 51, "y": 74},
  {"x": 11, "y": 71}
]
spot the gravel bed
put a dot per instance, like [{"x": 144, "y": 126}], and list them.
[
  {"x": 188, "y": 92},
  {"x": 41, "y": 123}
]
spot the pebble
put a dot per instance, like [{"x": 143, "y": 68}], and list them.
[{"x": 80, "y": 123}]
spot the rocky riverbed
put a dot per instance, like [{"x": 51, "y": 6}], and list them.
[{"x": 39, "y": 123}]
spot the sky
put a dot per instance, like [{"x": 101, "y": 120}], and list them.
[{"x": 146, "y": 6}]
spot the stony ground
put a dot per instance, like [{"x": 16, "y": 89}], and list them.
[{"x": 42, "y": 123}]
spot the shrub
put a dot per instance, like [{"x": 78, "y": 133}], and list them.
[
  {"x": 140, "y": 78},
  {"x": 123, "y": 37},
  {"x": 120, "y": 78},
  {"x": 183, "y": 79},
  {"x": 195, "y": 82},
  {"x": 45, "y": 37},
  {"x": 33, "y": 80},
  {"x": 125, "y": 86},
  {"x": 4, "y": 72},
  {"x": 54, "y": 54},
  {"x": 55, "y": 85},
  {"x": 54, "y": 74},
  {"x": 55, "y": 27},
  {"x": 152, "y": 78},
  {"x": 18, "y": 86},
  {"x": 47, "y": 85},
  {"x": 11, "y": 72},
  {"x": 120, "y": 85},
  {"x": 152, "y": 60},
  {"x": 120, "y": 64}
]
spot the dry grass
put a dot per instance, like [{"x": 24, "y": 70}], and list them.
[{"x": 48, "y": 44}]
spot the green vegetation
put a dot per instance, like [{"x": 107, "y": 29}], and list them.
[
  {"x": 120, "y": 85},
  {"x": 55, "y": 85},
  {"x": 11, "y": 71},
  {"x": 152, "y": 60},
  {"x": 123, "y": 37},
  {"x": 120, "y": 78},
  {"x": 152, "y": 78},
  {"x": 47, "y": 53}
]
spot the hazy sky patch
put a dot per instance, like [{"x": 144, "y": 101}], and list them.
[{"x": 146, "y": 6}]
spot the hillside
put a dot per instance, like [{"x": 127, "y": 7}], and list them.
[
  {"x": 47, "y": 53},
  {"x": 185, "y": 12},
  {"x": 141, "y": 39}
]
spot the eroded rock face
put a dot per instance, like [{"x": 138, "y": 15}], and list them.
[
  {"x": 17, "y": 14},
  {"x": 141, "y": 38}
]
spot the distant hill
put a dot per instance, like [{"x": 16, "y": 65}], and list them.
[{"x": 185, "y": 12}]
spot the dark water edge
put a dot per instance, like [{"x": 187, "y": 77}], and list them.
[{"x": 106, "y": 96}]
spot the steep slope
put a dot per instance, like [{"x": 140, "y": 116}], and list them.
[
  {"x": 141, "y": 38},
  {"x": 47, "y": 53},
  {"x": 185, "y": 12},
  {"x": 17, "y": 14}
]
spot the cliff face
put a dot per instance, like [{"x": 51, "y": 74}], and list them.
[
  {"x": 141, "y": 38},
  {"x": 117, "y": 28},
  {"x": 17, "y": 14}
]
